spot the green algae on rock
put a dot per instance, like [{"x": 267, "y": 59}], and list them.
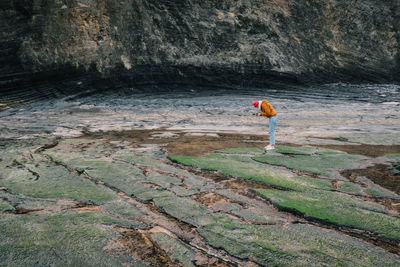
[
  {"x": 24, "y": 204},
  {"x": 190, "y": 212},
  {"x": 176, "y": 249},
  {"x": 292, "y": 150},
  {"x": 350, "y": 188},
  {"x": 338, "y": 209},
  {"x": 129, "y": 179},
  {"x": 243, "y": 150},
  {"x": 66, "y": 238},
  {"x": 262, "y": 235},
  {"x": 5, "y": 206},
  {"x": 162, "y": 180},
  {"x": 117, "y": 174},
  {"x": 292, "y": 245},
  {"x": 47, "y": 180},
  {"x": 375, "y": 192},
  {"x": 144, "y": 160},
  {"x": 394, "y": 156},
  {"x": 123, "y": 209},
  {"x": 312, "y": 160},
  {"x": 313, "y": 197},
  {"x": 251, "y": 171}
]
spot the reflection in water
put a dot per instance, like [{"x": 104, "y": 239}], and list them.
[{"x": 361, "y": 113}]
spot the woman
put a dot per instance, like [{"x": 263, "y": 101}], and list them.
[{"x": 268, "y": 111}]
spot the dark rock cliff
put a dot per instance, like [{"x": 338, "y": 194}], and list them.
[{"x": 78, "y": 43}]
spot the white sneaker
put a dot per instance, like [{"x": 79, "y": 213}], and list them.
[{"x": 269, "y": 147}]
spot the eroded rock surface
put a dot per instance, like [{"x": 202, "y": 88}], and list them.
[
  {"x": 203, "y": 43},
  {"x": 127, "y": 203}
]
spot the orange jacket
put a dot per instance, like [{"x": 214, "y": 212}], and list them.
[{"x": 267, "y": 109}]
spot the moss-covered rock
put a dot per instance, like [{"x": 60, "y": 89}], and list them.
[
  {"x": 292, "y": 245},
  {"x": 350, "y": 188},
  {"x": 251, "y": 171},
  {"x": 117, "y": 174},
  {"x": 244, "y": 150},
  {"x": 394, "y": 156},
  {"x": 123, "y": 209},
  {"x": 376, "y": 192},
  {"x": 337, "y": 208},
  {"x": 243, "y": 226},
  {"x": 62, "y": 239},
  {"x": 184, "y": 209},
  {"x": 130, "y": 156},
  {"x": 51, "y": 181},
  {"x": 319, "y": 161},
  {"x": 315, "y": 198},
  {"x": 5, "y": 205},
  {"x": 175, "y": 249},
  {"x": 162, "y": 180},
  {"x": 294, "y": 150}
]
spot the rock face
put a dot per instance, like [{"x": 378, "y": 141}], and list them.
[{"x": 192, "y": 42}]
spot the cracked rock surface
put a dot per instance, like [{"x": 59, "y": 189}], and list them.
[{"x": 101, "y": 200}]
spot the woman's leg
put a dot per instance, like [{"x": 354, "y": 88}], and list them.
[{"x": 272, "y": 123}]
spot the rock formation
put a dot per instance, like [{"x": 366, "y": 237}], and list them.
[{"x": 105, "y": 43}]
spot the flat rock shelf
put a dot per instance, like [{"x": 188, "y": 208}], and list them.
[{"x": 106, "y": 198}]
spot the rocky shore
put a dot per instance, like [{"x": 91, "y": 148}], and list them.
[
  {"x": 127, "y": 136},
  {"x": 156, "y": 197},
  {"x": 180, "y": 179}
]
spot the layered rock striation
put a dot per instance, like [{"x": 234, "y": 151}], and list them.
[{"x": 80, "y": 43}]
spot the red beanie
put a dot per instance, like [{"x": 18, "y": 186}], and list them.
[{"x": 255, "y": 104}]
